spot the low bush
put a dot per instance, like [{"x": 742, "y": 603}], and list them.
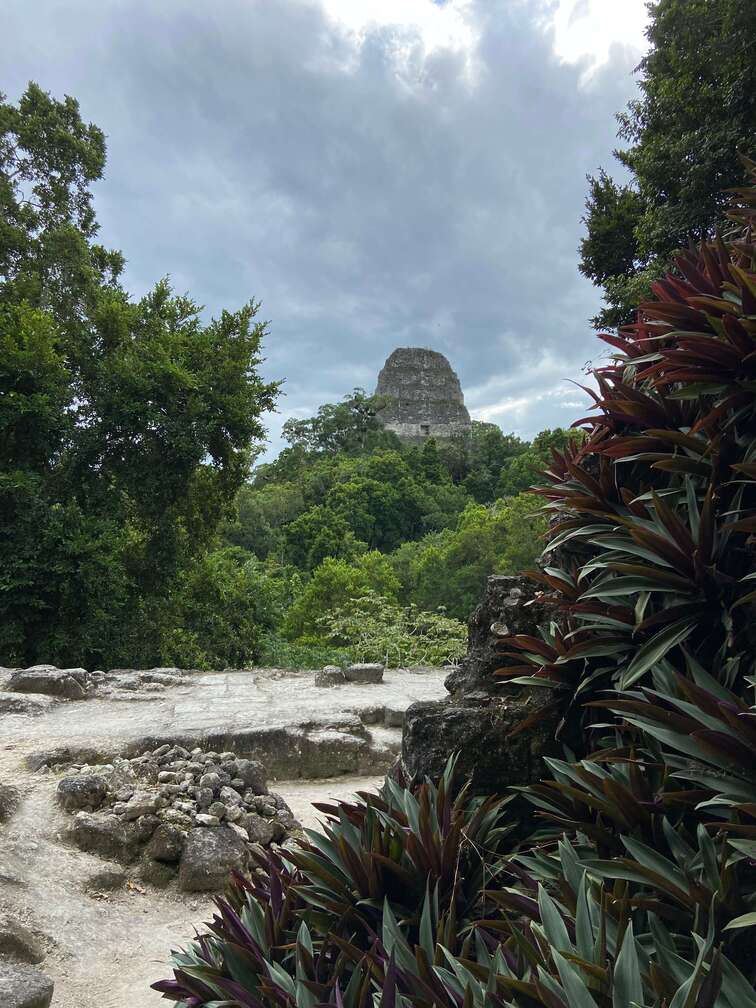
[{"x": 375, "y": 629}]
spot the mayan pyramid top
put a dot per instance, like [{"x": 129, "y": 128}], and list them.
[{"x": 424, "y": 397}]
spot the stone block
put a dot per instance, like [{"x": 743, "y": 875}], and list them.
[
  {"x": 491, "y": 754},
  {"x": 209, "y": 856},
  {"x": 253, "y": 774},
  {"x": 331, "y": 675},
  {"x": 364, "y": 672},
  {"x": 105, "y": 834},
  {"x": 82, "y": 791}
]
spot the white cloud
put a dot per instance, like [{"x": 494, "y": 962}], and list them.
[
  {"x": 587, "y": 29},
  {"x": 447, "y": 25},
  {"x": 338, "y": 160}
]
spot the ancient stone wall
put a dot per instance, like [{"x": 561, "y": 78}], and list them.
[
  {"x": 423, "y": 396},
  {"x": 482, "y": 720}
]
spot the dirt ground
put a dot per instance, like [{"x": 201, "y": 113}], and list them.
[{"x": 105, "y": 948}]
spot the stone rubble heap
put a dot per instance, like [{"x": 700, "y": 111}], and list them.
[{"x": 195, "y": 814}]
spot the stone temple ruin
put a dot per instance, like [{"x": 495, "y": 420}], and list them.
[{"x": 423, "y": 396}]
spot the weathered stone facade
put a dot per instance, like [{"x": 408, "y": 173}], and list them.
[
  {"x": 423, "y": 396},
  {"x": 483, "y": 718}
]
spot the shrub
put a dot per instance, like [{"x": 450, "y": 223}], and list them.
[
  {"x": 375, "y": 629},
  {"x": 220, "y": 606},
  {"x": 301, "y": 654},
  {"x": 332, "y": 584}
]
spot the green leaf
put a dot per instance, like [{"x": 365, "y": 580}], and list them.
[
  {"x": 745, "y": 920},
  {"x": 584, "y": 936},
  {"x": 655, "y": 649},
  {"x": 614, "y": 587},
  {"x": 553, "y": 925},
  {"x": 628, "y": 984},
  {"x": 574, "y": 987}
]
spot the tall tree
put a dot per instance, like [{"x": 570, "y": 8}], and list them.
[
  {"x": 352, "y": 425},
  {"x": 696, "y": 112},
  {"x": 126, "y": 427}
]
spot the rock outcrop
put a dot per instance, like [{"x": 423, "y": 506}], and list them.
[
  {"x": 484, "y": 719},
  {"x": 423, "y": 396},
  {"x": 70, "y": 684}
]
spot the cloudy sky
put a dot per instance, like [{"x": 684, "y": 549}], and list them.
[{"x": 379, "y": 173}]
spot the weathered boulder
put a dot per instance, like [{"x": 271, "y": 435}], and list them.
[
  {"x": 106, "y": 834},
  {"x": 493, "y": 754},
  {"x": 82, "y": 791},
  {"x": 209, "y": 856},
  {"x": 330, "y": 675},
  {"x": 259, "y": 830},
  {"x": 18, "y": 942},
  {"x": 253, "y": 775},
  {"x": 364, "y": 672},
  {"x": 500, "y": 731},
  {"x": 70, "y": 684},
  {"x": 22, "y": 986},
  {"x": 10, "y": 799},
  {"x": 141, "y": 803}
]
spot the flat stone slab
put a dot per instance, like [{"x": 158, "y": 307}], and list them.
[
  {"x": 280, "y": 717},
  {"x": 28, "y": 705}
]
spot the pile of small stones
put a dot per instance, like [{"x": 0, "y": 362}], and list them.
[{"x": 164, "y": 801}]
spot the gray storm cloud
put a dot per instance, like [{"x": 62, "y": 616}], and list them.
[{"x": 371, "y": 192}]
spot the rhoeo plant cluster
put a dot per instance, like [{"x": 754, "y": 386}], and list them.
[
  {"x": 333, "y": 920},
  {"x": 637, "y": 883}
]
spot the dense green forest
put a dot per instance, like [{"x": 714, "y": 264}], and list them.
[
  {"x": 136, "y": 530},
  {"x": 125, "y": 426},
  {"x": 347, "y": 512}
]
